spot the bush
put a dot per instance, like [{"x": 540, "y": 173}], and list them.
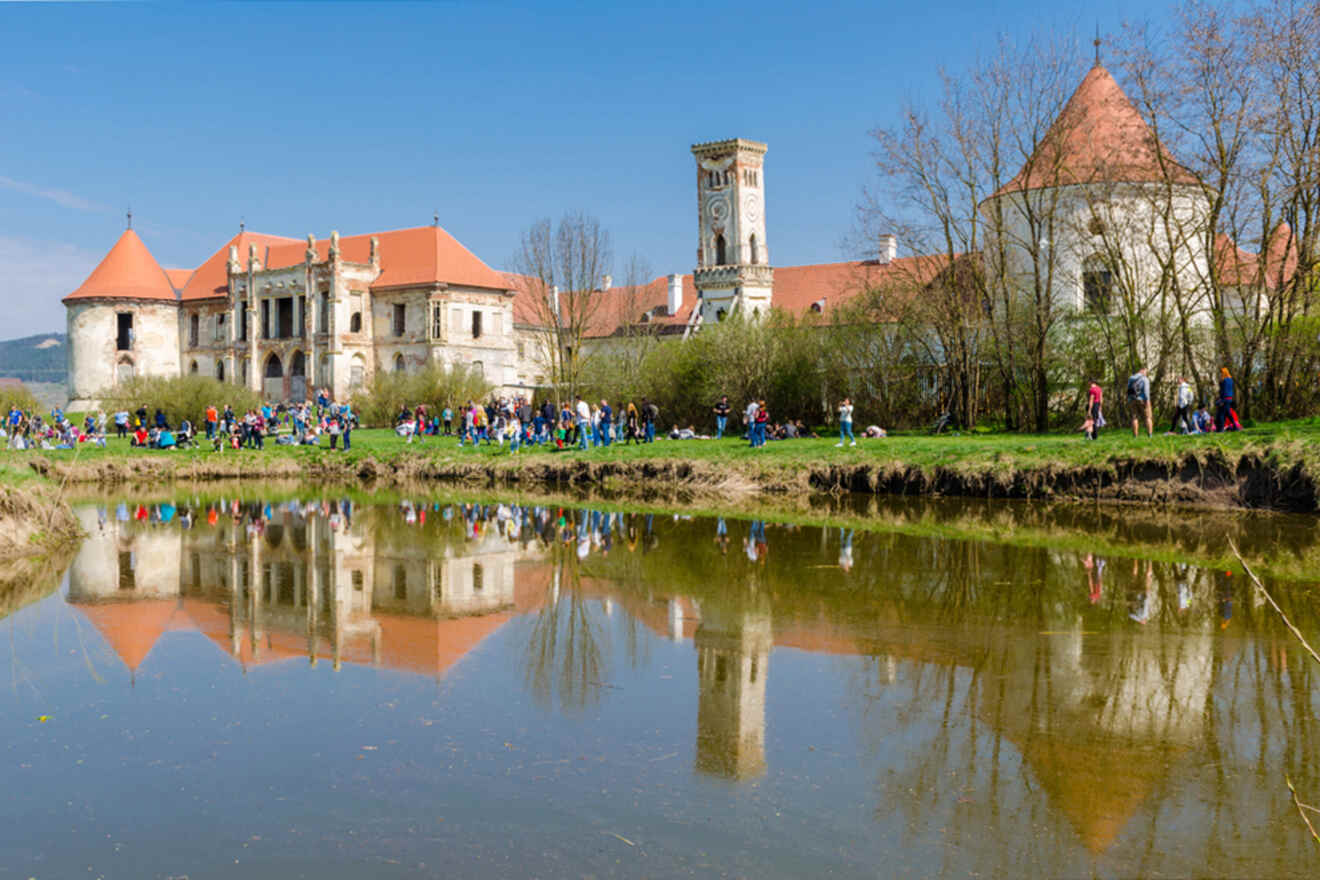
[
  {"x": 435, "y": 386},
  {"x": 18, "y": 397},
  {"x": 179, "y": 398}
]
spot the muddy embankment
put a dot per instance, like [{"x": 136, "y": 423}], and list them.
[
  {"x": 1267, "y": 480},
  {"x": 35, "y": 522}
]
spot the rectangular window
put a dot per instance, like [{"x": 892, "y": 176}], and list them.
[
  {"x": 242, "y": 323},
  {"x": 127, "y": 577},
  {"x": 302, "y": 317},
  {"x": 400, "y": 313},
  {"x": 323, "y": 320},
  {"x": 1097, "y": 290},
  {"x": 476, "y": 324},
  {"x": 124, "y": 331},
  {"x": 284, "y": 308},
  {"x": 219, "y": 328},
  {"x": 194, "y": 330},
  {"x": 495, "y": 323},
  {"x": 437, "y": 312},
  {"x": 265, "y": 319}
]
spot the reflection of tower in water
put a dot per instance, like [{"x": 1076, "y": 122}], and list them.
[{"x": 733, "y": 654}]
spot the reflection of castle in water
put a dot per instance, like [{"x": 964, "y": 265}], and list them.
[
  {"x": 1095, "y": 714},
  {"x": 294, "y": 580}
]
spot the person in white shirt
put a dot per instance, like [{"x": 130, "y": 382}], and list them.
[
  {"x": 584, "y": 423},
  {"x": 845, "y": 423}
]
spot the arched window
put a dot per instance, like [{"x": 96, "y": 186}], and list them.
[
  {"x": 274, "y": 368},
  {"x": 357, "y": 371},
  {"x": 752, "y": 256},
  {"x": 192, "y": 368},
  {"x": 355, "y": 323},
  {"x": 298, "y": 366},
  {"x": 220, "y": 370},
  {"x": 398, "y": 363},
  {"x": 124, "y": 372},
  {"x": 479, "y": 369},
  {"x": 1097, "y": 284},
  {"x": 720, "y": 249}
]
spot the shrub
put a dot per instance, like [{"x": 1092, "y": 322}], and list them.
[
  {"x": 436, "y": 386},
  {"x": 19, "y": 397},
  {"x": 180, "y": 397}
]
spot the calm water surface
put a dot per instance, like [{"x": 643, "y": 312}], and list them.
[{"x": 328, "y": 689}]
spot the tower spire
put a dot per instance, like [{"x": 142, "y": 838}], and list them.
[
  {"x": 130, "y": 218},
  {"x": 435, "y": 219},
  {"x": 1096, "y": 43}
]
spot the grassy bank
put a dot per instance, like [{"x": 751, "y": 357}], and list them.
[{"x": 1271, "y": 466}]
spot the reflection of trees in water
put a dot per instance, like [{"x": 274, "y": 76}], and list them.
[
  {"x": 564, "y": 660},
  {"x": 1168, "y": 731}
]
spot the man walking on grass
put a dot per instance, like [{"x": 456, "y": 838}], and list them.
[
  {"x": 721, "y": 416},
  {"x": 1138, "y": 396}
]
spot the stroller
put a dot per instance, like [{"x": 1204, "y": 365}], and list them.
[{"x": 947, "y": 421}]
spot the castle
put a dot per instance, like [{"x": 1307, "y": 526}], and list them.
[{"x": 282, "y": 315}]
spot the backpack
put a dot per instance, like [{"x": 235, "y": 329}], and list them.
[{"x": 1132, "y": 387}]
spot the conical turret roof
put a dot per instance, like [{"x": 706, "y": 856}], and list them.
[
  {"x": 129, "y": 271},
  {"x": 1100, "y": 137}
]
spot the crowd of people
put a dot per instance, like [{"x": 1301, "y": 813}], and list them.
[
  {"x": 1187, "y": 418},
  {"x": 582, "y": 425},
  {"x": 520, "y": 424}
]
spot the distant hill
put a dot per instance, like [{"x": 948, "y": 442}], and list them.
[{"x": 40, "y": 358}]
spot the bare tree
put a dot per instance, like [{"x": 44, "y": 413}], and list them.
[
  {"x": 563, "y": 267},
  {"x": 947, "y": 183}
]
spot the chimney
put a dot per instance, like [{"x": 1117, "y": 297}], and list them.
[
  {"x": 675, "y": 294},
  {"x": 888, "y": 248},
  {"x": 607, "y": 282}
]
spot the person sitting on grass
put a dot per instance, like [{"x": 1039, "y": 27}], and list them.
[
  {"x": 875, "y": 431},
  {"x": 1202, "y": 420},
  {"x": 166, "y": 439},
  {"x": 141, "y": 437}
]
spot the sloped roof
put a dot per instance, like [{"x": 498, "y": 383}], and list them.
[
  {"x": 131, "y": 628},
  {"x": 128, "y": 271},
  {"x": 211, "y": 279},
  {"x": 178, "y": 277},
  {"x": 796, "y": 289},
  {"x": 417, "y": 256},
  {"x": 1240, "y": 268},
  {"x": 1099, "y": 137}
]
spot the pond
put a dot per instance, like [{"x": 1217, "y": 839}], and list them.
[{"x": 335, "y": 687}]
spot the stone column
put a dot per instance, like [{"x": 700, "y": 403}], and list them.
[
  {"x": 253, "y": 325},
  {"x": 310, "y": 324}
]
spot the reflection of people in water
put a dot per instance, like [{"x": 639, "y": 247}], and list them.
[
  {"x": 1095, "y": 572},
  {"x": 1140, "y": 596},
  {"x": 1224, "y": 593},
  {"x": 756, "y": 545},
  {"x": 845, "y": 549},
  {"x": 722, "y": 536}
]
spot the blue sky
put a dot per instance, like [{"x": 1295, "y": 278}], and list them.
[{"x": 359, "y": 117}]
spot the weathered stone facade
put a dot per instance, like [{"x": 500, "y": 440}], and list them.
[{"x": 285, "y": 318}]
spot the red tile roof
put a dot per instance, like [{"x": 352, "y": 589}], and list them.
[
  {"x": 211, "y": 279},
  {"x": 1239, "y": 268},
  {"x": 796, "y": 289},
  {"x": 178, "y": 277},
  {"x": 1099, "y": 137},
  {"x": 417, "y": 256},
  {"x": 129, "y": 271}
]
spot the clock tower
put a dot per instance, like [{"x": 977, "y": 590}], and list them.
[{"x": 733, "y": 271}]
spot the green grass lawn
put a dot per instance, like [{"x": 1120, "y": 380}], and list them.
[{"x": 1295, "y": 440}]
